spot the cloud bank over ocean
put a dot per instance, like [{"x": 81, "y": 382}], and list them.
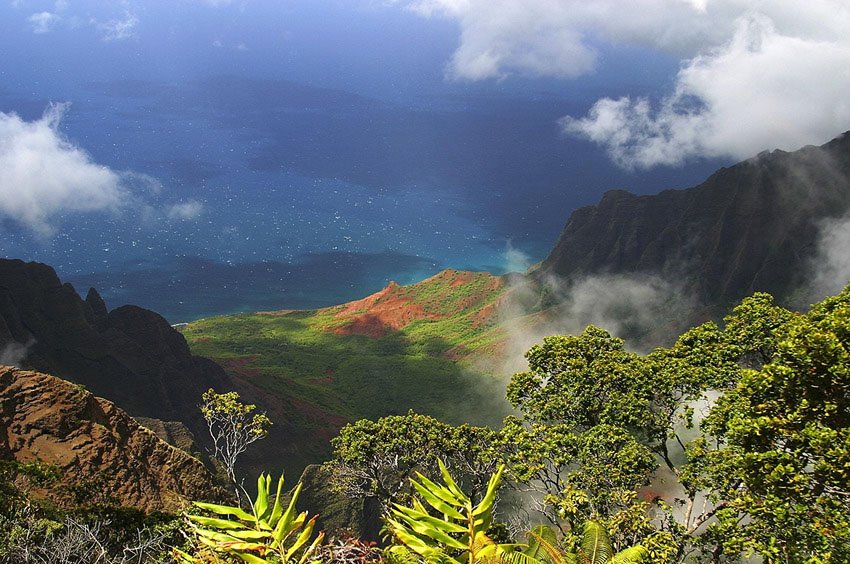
[
  {"x": 42, "y": 173},
  {"x": 751, "y": 76},
  {"x": 44, "y": 176}
]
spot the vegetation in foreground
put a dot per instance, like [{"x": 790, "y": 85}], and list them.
[{"x": 732, "y": 443}]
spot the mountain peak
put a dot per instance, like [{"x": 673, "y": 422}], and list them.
[
  {"x": 749, "y": 227},
  {"x": 395, "y": 307}
]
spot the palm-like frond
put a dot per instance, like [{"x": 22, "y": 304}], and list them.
[
  {"x": 270, "y": 530},
  {"x": 543, "y": 546},
  {"x": 633, "y": 555},
  {"x": 458, "y": 533},
  {"x": 595, "y": 548}
]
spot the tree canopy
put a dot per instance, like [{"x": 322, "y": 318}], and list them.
[{"x": 733, "y": 441}]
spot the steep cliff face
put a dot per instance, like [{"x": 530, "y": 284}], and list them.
[
  {"x": 98, "y": 449},
  {"x": 130, "y": 355},
  {"x": 749, "y": 227}
]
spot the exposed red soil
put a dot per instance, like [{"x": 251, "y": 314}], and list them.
[
  {"x": 240, "y": 361},
  {"x": 456, "y": 353},
  {"x": 461, "y": 277},
  {"x": 486, "y": 315},
  {"x": 392, "y": 309},
  {"x": 382, "y": 312},
  {"x": 313, "y": 411},
  {"x": 324, "y": 435},
  {"x": 327, "y": 380},
  {"x": 649, "y": 494}
]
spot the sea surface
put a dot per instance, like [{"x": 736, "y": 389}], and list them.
[{"x": 303, "y": 178}]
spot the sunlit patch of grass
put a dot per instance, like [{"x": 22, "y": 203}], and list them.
[{"x": 298, "y": 355}]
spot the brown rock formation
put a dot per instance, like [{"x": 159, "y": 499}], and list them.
[
  {"x": 131, "y": 355},
  {"x": 95, "y": 445}
]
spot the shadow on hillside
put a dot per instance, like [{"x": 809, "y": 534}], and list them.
[{"x": 313, "y": 382}]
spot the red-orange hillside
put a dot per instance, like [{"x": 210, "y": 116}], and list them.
[{"x": 444, "y": 295}]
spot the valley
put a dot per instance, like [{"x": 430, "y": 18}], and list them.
[
  {"x": 435, "y": 358},
  {"x": 646, "y": 268},
  {"x": 406, "y": 347}
]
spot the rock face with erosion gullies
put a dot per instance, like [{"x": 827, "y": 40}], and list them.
[
  {"x": 101, "y": 453},
  {"x": 751, "y": 227},
  {"x": 131, "y": 355},
  {"x": 174, "y": 433}
]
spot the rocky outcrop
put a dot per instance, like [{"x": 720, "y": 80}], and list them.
[
  {"x": 130, "y": 355},
  {"x": 338, "y": 514},
  {"x": 750, "y": 227},
  {"x": 174, "y": 433},
  {"x": 100, "y": 451}
]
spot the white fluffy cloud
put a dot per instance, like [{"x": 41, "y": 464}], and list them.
[
  {"x": 191, "y": 209},
  {"x": 43, "y": 22},
  {"x": 119, "y": 29},
  {"x": 43, "y": 174},
  {"x": 755, "y": 74}
]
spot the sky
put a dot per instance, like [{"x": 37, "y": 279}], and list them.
[{"x": 213, "y": 156}]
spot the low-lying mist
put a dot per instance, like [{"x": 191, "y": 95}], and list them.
[
  {"x": 646, "y": 310},
  {"x": 829, "y": 268}
]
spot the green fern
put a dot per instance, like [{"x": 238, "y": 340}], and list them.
[
  {"x": 595, "y": 548},
  {"x": 543, "y": 546},
  {"x": 595, "y": 544},
  {"x": 633, "y": 555}
]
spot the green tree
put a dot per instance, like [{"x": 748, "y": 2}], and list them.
[
  {"x": 580, "y": 475},
  {"x": 378, "y": 458},
  {"x": 783, "y": 470},
  {"x": 590, "y": 379},
  {"x": 594, "y": 412},
  {"x": 593, "y": 415},
  {"x": 233, "y": 426}
]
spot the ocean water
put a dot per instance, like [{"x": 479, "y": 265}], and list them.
[{"x": 310, "y": 174}]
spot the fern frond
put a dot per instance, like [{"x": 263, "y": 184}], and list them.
[
  {"x": 595, "y": 543},
  {"x": 519, "y": 557},
  {"x": 544, "y": 537},
  {"x": 634, "y": 555}
]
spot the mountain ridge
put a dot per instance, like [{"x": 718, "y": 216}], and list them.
[
  {"x": 129, "y": 355},
  {"x": 748, "y": 227}
]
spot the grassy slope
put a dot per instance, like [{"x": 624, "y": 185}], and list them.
[{"x": 394, "y": 351}]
